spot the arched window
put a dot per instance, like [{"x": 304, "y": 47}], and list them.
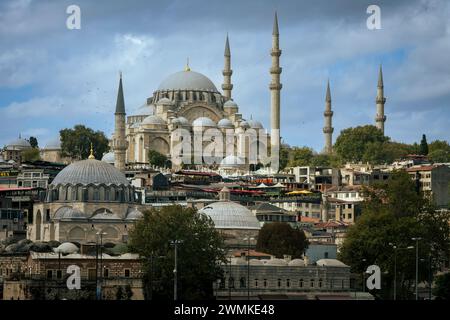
[
  {"x": 242, "y": 282},
  {"x": 231, "y": 282},
  {"x": 312, "y": 283},
  {"x": 320, "y": 283},
  {"x": 300, "y": 283},
  {"x": 279, "y": 283},
  {"x": 288, "y": 283}
]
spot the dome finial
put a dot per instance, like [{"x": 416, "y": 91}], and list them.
[
  {"x": 91, "y": 156},
  {"x": 187, "y": 65}
]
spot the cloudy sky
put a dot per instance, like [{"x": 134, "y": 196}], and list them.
[{"x": 52, "y": 77}]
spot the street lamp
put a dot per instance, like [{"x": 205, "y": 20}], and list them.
[
  {"x": 395, "y": 265},
  {"x": 98, "y": 284},
  {"x": 417, "y": 239},
  {"x": 248, "y": 265},
  {"x": 175, "y": 243}
]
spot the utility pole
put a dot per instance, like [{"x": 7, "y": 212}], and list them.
[
  {"x": 175, "y": 243},
  {"x": 395, "y": 265},
  {"x": 417, "y": 239}
]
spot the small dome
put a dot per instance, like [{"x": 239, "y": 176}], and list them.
[
  {"x": 54, "y": 144},
  {"x": 164, "y": 101},
  {"x": 231, "y": 215},
  {"x": 203, "y": 122},
  {"x": 297, "y": 263},
  {"x": 134, "y": 214},
  {"x": 90, "y": 171},
  {"x": 18, "y": 144},
  {"x": 225, "y": 123},
  {"x": 109, "y": 157},
  {"x": 67, "y": 248},
  {"x": 330, "y": 263},
  {"x": 181, "y": 121},
  {"x": 188, "y": 80},
  {"x": 145, "y": 110},
  {"x": 244, "y": 124},
  {"x": 230, "y": 104},
  {"x": 154, "y": 120},
  {"x": 231, "y": 161},
  {"x": 276, "y": 262},
  {"x": 255, "y": 124},
  {"x": 68, "y": 213}
]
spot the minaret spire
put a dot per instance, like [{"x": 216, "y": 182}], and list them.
[
  {"x": 380, "y": 118},
  {"x": 275, "y": 88},
  {"x": 227, "y": 72},
  {"x": 328, "y": 128},
  {"x": 119, "y": 142}
]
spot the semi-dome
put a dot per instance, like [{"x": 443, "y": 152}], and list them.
[
  {"x": 255, "y": 124},
  {"x": 203, "y": 122},
  {"x": 230, "y": 104},
  {"x": 67, "y": 248},
  {"x": 164, "y": 101},
  {"x": 187, "y": 80},
  {"x": 225, "y": 123},
  {"x": 134, "y": 214},
  {"x": 231, "y": 215},
  {"x": 154, "y": 120},
  {"x": 330, "y": 263},
  {"x": 90, "y": 171},
  {"x": 244, "y": 124},
  {"x": 109, "y": 157},
  {"x": 297, "y": 263},
  {"x": 68, "y": 213},
  {"x": 181, "y": 121}
]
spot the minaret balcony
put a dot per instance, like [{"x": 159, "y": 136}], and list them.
[
  {"x": 227, "y": 86},
  {"x": 380, "y": 118},
  {"x": 275, "y": 52},
  {"x": 380, "y": 100},
  {"x": 276, "y": 70},
  {"x": 328, "y": 130},
  {"x": 275, "y": 86},
  {"x": 328, "y": 113},
  {"x": 227, "y": 73}
]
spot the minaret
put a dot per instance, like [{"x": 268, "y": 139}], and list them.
[
  {"x": 275, "y": 88},
  {"x": 227, "y": 72},
  {"x": 328, "y": 128},
  {"x": 381, "y": 100},
  {"x": 119, "y": 144}
]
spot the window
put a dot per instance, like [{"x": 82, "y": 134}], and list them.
[
  {"x": 265, "y": 283},
  {"x": 325, "y": 255},
  {"x": 105, "y": 273},
  {"x": 91, "y": 274},
  {"x": 47, "y": 215},
  {"x": 320, "y": 283},
  {"x": 127, "y": 273},
  {"x": 59, "y": 274},
  {"x": 312, "y": 283},
  {"x": 49, "y": 274},
  {"x": 279, "y": 283},
  {"x": 288, "y": 283},
  {"x": 256, "y": 283},
  {"x": 300, "y": 283},
  {"x": 231, "y": 282},
  {"x": 242, "y": 282}
]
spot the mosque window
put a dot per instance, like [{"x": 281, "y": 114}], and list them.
[
  {"x": 256, "y": 283},
  {"x": 288, "y": 283},
  {"x": 127, "y": 273},
  {"x": 106, "y": 273},
  {"x": 242, "y": 282},
  {"x": 96, "y": 195},
  {"x": 320, "y": 283},
  {"x": 49, "y": 274},
  {"x": 312, "y": 283},
  {"x": 279, "y": 283},
  {"x": 300, "y": 283}
]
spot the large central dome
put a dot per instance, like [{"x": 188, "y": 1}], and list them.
[
  {"x": 90, "y": 171},
  {"x": 188, "y": 80}
]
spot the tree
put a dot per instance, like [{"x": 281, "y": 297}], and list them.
[
  {"x": 279, "y": 238},
  {"x": 284, "y": 156},
  {"x": 76, "y": 142},
  {"x": 199, "y": 255},
  {"x": 439, "y": 151},
  {"x": 300, "y": 156},
  {"x": 30, "y": 155},
  {"x": 352, "y": 143},
  {"x": 442, "y": 287},
  {"x": 424, "y": 145},
  {"x": 394, "y": 212},
  {"x": 33, "y": 142},
  {"x": 157, "y": 159}
]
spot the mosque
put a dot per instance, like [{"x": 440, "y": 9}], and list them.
[{"x": 190, "y": 100}]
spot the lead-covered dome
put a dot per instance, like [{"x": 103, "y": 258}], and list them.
[
  {"x": 231, "y": 215},
  {"x": 203, "y": 122},
  {"x": 18, "y": 144},
  {"x": 90, "y": 171},
  {"x": 187, "y": 80}
]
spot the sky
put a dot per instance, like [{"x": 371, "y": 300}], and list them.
[{"x": 52, "y": 77}]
